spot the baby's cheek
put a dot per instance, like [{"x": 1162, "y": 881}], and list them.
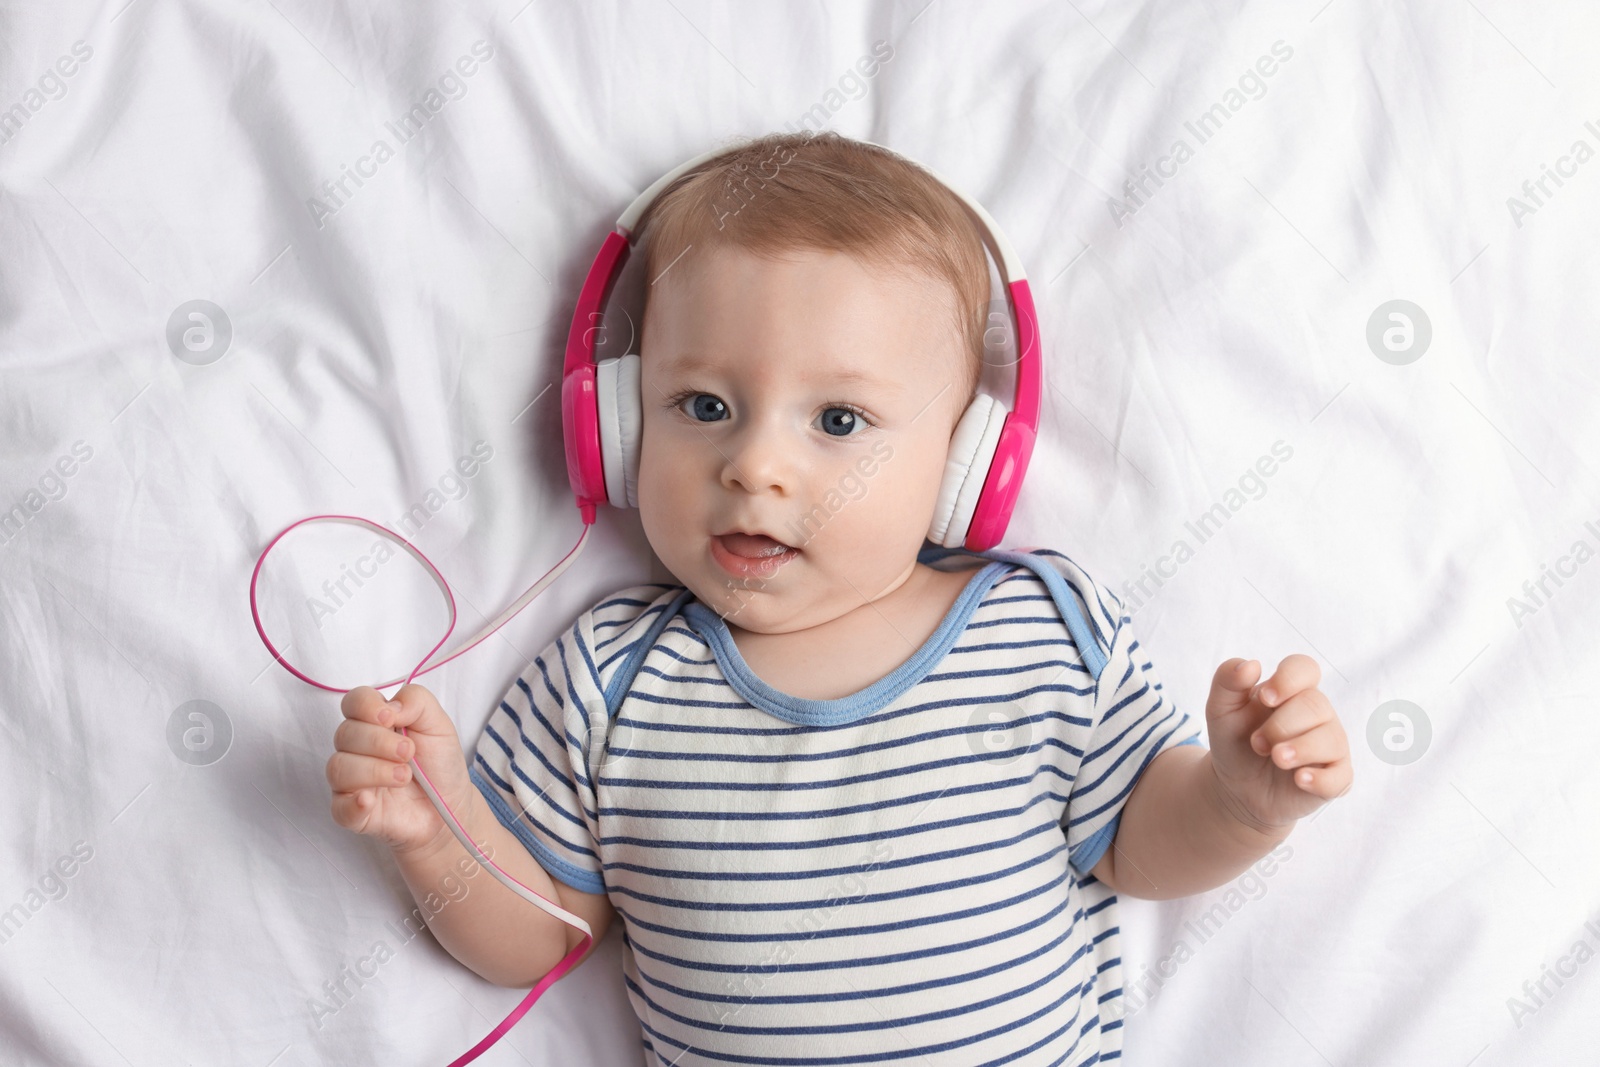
[
  {"x": 907, "y": 483},
  {"x": 887, "y": 520},
  {"x": 668, "y": 506}
]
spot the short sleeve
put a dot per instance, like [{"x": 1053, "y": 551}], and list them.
[
  {"x": 532, "y": 760},
  {"x": 1133, "y": 722}
]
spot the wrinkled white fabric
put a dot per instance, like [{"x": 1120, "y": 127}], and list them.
[{"x": 392, "y": 351}]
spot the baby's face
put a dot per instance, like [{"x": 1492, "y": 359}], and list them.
[{"x": 809, "y": 398}]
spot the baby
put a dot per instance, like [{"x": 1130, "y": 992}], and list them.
[{"x": 856, "y": 798}]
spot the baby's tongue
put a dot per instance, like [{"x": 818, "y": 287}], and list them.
[{"x": 742, "y": 544}]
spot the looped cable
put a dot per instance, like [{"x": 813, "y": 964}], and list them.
[{"x": 459, "y": 831}]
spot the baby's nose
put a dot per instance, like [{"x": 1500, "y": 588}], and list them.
[{"x": 763, "y": 458}]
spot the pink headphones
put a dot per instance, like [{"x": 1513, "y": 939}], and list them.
[{"x": 602, "y": 421}]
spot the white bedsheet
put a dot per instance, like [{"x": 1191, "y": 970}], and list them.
[{"x": 381, "y": 335}]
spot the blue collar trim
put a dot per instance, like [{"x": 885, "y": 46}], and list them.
[{"x": 805, "y": 711}]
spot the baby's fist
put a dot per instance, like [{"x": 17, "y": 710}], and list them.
[
  {"x": 1278, "y": 748},
  {"x": 371, "y": 770}
]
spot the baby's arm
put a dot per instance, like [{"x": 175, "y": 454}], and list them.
[
  {"x": 1196, "y": 818},
  {"x": 490, "y": 929}
]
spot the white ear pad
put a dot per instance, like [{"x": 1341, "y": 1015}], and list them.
[
  {"x": 972, "y": 449},
  {"x": 616, "y": 384}
]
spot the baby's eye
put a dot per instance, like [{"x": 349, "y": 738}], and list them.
[
  {"x": 703, "y": 407},
  {"x": 841, "y": 422}
]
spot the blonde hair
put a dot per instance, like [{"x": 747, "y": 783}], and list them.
[{"x": 789, "y": 191}]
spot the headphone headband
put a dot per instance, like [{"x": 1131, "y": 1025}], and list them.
[{"x": 579, "y": 399}]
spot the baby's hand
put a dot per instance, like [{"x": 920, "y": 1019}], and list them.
[
  {"x": 1278, "y": 749},
  {"x": 374, "y": 791}
]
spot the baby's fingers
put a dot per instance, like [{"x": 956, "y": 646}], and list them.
[
  {"x": 354, "y": 811},
  {"x": 348, "y": 772},
  {"x": 1295, "y": 674},
  {"x": 1329, "y": 781},
  {"x": 1320, "y": 745},
  {"x": 1300, "y": 713},
  {"x": 366, "y": 704},
  {"x": 365, "y": 739}
]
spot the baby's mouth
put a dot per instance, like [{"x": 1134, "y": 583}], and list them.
[
  {"x": 753, "y": 546},
  {"x": 747, "y": 555}
]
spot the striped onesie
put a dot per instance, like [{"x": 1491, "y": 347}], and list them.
[{"x": 895, "y": 876}]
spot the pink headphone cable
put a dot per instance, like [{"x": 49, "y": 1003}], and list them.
[{"x": 422, "y": 779}]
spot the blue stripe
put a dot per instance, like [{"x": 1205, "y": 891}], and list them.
[
  {"x": 722, "y": 845},
  {"x": 715, "y": 679},
  {"x": 588, "y": 662},
  {"x": 1150, "y": 719},
  {"x": 889, "y": 745},
  {"x": 811, "y": 814},
  {"x": 626, "y": 619},
  {"x": 1122, "y": 793},
  {"x": 549, "y": 686},
  {"x": 623, "y": 679},
  {"x": 857, "y": 961},
  {"x": 490, "y": 732},
  {"x": 577, "y": 877},
  {"x": 878, "y": 1024},
  {"x": 1105, "y": 615},
  {"x": 881, "y": 717},
  {"x": 887, "y": 991},
  {"x": 999, "y": 646},
  {"x": 898, "y": 1054},
  {"x": 830, "y": 783},
  {"x": 558, "y": 736},
  {"x": 1014, "y": 620},
  {"x": 684, "y": 904},
  {"x": 508, "y": 791},
  {"x": 767, "y": 937}
]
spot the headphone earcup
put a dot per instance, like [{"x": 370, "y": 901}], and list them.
[
  {"x": 621, "y": 422},
  {"x": 972, "y": 449}
]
